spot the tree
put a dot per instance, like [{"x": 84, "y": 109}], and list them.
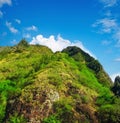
[
  {"x": 23, "y": 42},
  {"x": 116, "y": 87}
]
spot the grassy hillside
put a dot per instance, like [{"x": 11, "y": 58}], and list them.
[{"x": 39, "y": 86}]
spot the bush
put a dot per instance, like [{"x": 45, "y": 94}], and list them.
[
  {"x": 3, "y": 103},
  {"x": 63, "y": 110},
  {"x": 51, "y": 119},
  {"x": 109, "y": 114},
  {"x": 17, "y": 119}
]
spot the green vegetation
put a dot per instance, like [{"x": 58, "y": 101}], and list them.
[
  {"x": 51, "y": 119},
  {"x": 37, "y": 85},
  {"x": 116, "y": 87},
  {"x": 109, "y": 114},
  {"x": 17, "y": 119}
]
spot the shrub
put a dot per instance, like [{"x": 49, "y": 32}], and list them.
[
  {"x": 63, "y": 110},
  {"x": 17, "y": 119},
  {"x": 51, "y": 119},
  {"x": 109, "y": 114}
]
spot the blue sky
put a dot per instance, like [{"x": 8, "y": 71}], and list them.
[{"x": 93, "y": 25}]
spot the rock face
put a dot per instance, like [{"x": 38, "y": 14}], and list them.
[
  {"x": 39, "y": 86},
  {"x": 35, "y": 103}
]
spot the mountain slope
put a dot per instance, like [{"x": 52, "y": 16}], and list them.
[
  {"x": 39, "y": 86},
  {"x": 78, "y": 55}
]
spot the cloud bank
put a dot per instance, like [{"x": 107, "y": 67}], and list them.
[{"x": 58, "y": 44}]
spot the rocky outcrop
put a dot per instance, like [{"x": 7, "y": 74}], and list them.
[{"x": 35, "y": 103}]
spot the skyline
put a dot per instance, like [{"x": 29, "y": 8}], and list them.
[{"x": 94, "y": 26}]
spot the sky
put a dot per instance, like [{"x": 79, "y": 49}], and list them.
[{"x": 92, "y": 25}]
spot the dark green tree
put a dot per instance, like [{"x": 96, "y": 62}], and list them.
[
  {"x": 116, "y": 87},
  {"x": 94, "y": 65},
  {"x": 23, "y": 42}
]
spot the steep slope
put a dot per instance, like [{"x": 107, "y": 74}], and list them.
[
  {"x": 39, "y": 86},
  {"x": 91, "y": 63}
]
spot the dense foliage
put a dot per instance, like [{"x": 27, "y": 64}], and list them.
[
  {"x": 37, "y": 85},
  {"x": 116, "y": 87}
]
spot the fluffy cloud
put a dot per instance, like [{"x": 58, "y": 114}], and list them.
[
  {"x": 2, "y": 2},
  {"x": 18, "y": 21},
  {"x": 57, "y": 44},
  {"x": 109, "y": 3},
  {"x": 1, "y": 14},
  {"x": 106, "y": 25},
  {"x": 114, "y": 75},
  {"x": 32, "y": 28},
  {"x": 11, "y": 28}
]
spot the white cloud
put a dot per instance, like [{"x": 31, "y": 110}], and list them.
[
  {"x": 109, "y": 26},
  {"x": 117, "y": 60},
  {"x": 58, "y": 44},
  {"x": 109, "y": 3},
  {"x": 1, "y": 14},
  {"x": 32, "y": 28},
  {"x": 2, "y": 2},
  {"x": 11, "y": 28},
  {"x": 106, "y": 25},
  {"x": 114, "y": 75},
  {"x": 106, "y": 42},
  {"x": 18, "y": 21},
  {"x": 27, "y": 35}
]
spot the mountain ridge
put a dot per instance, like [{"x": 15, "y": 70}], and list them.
[{"x": 38, "y": 85}]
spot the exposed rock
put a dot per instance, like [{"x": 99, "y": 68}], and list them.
[{"x": 35, "y": 103}]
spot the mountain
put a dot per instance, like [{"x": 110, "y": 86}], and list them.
[{"x": 39, "y": 86}]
